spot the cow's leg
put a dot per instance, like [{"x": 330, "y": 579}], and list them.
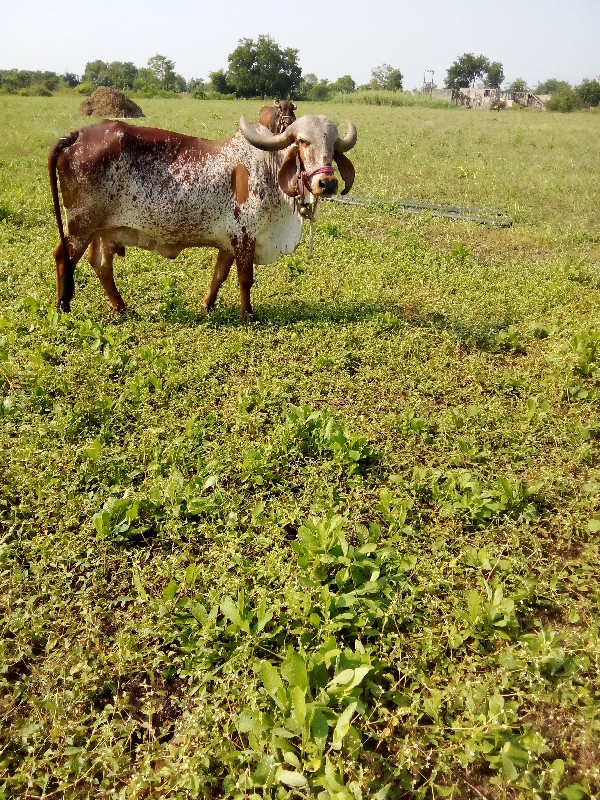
[
  {"x": 65, "y": 275},
  {"x": 244, "y": 259},
  {"x": 220, "y": 273},
  {"x": 101, "y": 256}
]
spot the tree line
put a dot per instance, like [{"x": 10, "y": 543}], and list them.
[{"x": 263, "y": 69}]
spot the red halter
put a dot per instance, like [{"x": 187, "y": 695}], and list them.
[{"x": 304, "y": 179}]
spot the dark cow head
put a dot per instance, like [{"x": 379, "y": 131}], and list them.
[
  {"x": 314, "y": 143},
  {"x": 286, "y": 115}
]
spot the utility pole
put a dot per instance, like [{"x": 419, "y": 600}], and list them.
[{"x": 430, "y": 83}]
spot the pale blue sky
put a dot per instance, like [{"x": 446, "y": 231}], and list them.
[{"x": 533, "y": 39}]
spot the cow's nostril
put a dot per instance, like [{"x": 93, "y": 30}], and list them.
[{"x": 328, "y": 185}]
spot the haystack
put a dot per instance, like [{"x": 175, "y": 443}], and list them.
[{"x": 107, "y": 102}]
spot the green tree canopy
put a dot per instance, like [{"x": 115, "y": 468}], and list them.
[
  {"x": 345, "y": 85},
  {"x": 315, "y": 90},
  {"x": 122, "y": 74},
  {"x": 466, "y": 70},
  {"x": 15, "y": 80},
  {"x": 262, "y": 69},
  {"x": 518, "y": 85},
  {"x": 146, "y": 79},
  {"x": 219, "y": 82},
  {"x": 164, "y": 69},
  {"x": 70, "y": 79},
  {"x": 589, "y": 92},
  {"x": 494, "y": 75},
  {"x": 386, "y": 77},
  {"x": 552, "y": 85},
  {"x": 96, "y": 73}
]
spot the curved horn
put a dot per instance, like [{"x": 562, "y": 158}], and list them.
[
  {"x": 265, "y": 141},
  {"x": 349, "y": 140}
]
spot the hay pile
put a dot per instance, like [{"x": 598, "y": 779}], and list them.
[{"x": 106, "y": 102}]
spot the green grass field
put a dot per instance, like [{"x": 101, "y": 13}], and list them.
[{"x": 349, "y": 550}]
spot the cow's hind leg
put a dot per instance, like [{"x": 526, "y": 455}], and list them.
[
  {"x": 220, "y": 273},
  {"x": 101, "y": 256}
]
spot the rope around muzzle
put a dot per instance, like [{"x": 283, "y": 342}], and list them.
[{"x": 307, "y": 208}]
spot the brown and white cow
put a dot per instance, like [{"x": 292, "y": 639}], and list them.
[
  {"x": 277, "y": 117},
  {"x": 126, "y": 185}
]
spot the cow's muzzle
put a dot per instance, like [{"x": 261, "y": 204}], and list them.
[{"x": 322, "y": 182}]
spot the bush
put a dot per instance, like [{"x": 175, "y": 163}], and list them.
[
  {"x": 155, "y": 91},
  {"x": 387, "y": 98},
  {"x": 86, "y": 88},
  {"x": 565, "y": 100},
  {"x": 217, "y": 96},
  {"x": 35, "y": 90}
]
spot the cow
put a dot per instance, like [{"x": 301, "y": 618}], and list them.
[
  {"x": 277, "y": 117},
  {"x": 497, "y": 105},
  {"x": 126, "y": 185}
]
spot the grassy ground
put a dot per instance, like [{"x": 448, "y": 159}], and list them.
[{"x": 347, "y": 551}]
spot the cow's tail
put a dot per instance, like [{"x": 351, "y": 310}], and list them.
[{"x": 66, "y": 281}]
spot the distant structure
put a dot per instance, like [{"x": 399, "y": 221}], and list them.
[{"x": 471, "y": 97}]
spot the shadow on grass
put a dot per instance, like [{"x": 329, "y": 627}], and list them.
[{"x": 388, "y": 319}]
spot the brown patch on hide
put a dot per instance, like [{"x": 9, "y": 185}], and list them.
[{"x": 239, "y": 183}]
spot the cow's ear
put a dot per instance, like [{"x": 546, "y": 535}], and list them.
[
  {"x": 288, "y": 173},
  {"x": 346, "y": 168}
]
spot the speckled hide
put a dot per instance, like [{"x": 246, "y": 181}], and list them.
[{"x": 125, "y": 185}]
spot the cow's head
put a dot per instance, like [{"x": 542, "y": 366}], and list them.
[
  {"x": 313, "y": 143},
  {"x": 286, "y": 107}
]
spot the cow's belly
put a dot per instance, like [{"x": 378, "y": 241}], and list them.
[
  {"x": 167, "y": 246},
  {"x": 166, "y": 233}
]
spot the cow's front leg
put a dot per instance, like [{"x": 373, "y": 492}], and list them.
[
  {"x": 244, "y": 259},
  {"x": 220, "y": 273}
]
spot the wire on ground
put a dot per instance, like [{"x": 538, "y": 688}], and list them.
[{"x": 482, "y": 216}]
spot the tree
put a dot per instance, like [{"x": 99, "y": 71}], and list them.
[
  {"x": 494, "y": 75},
  {"x": 589, "y": 92},
  {"x": 344, "y": 85},
  {"x": 518, "y": 85},
  {"x": 466, "y": 70},
  {"x": 317, "y": 90},
  {"x": 263, "y": 69},
  {"x": 122, "y": 74},
  {"x": 146, "y": 79},
  {"x": 164, "y": 69},
  {"x": 220, "y": 83},
  {"x": 69, "y": 79},
  {"x": 386, "y": 77},
  {"x": 551, "y": 86},
  {"x": 96, "y": 73}
]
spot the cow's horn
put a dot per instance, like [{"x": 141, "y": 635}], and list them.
[
  {"x": 265, "y": 141},
  {"x": 349, "y": 140}
]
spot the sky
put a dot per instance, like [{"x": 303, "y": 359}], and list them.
[{"x": 532, "y": 39}]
